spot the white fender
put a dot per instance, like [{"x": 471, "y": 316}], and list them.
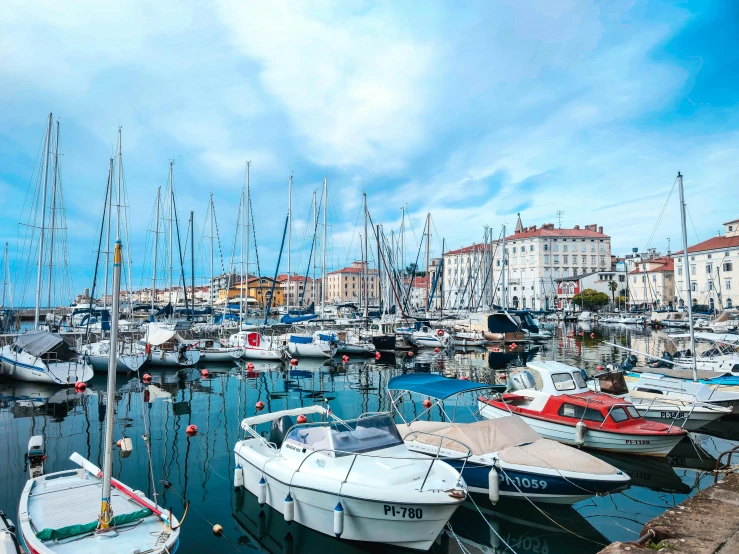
[
  {"x": 493, "y": 486},
  {"x": 262, "y": 494},
  {"x": 238, "y": 477},
  {"x": 580, "y": 430},
  {"x": 338, "y": 519},
  {"x": 289, "y": 508}
]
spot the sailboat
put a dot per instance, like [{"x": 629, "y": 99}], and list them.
[
  {"x": 39, "y": 355},
  {"x": 59, "y": 512}
]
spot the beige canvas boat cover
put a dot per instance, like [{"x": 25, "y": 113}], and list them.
[
  {"x": 482, "y": 437},
  {"x": 156, "y": 335},
  {"x": 549, "y": 453}
]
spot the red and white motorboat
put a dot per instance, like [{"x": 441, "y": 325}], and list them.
[{"x": 554, "y": 399}]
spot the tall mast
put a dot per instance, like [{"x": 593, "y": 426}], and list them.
[
  {"x": 106, "y": 512},
  {"x": 109, "y": 207},
  {"x": 52, "y": 208},
  {"x": 323, "y": 246},
  {"x": 428, "y": 252},
  {"x": 402, "y": 243},
  {"x": 171, "y": 234},
  {"x": 315, "y": 229},
  {"x": 192, "y": 261},
  {"x": 210, "y": 287},
  {"x": 379, "y": 270},
  {"x": 245, "y": 278},
  {"x": 5, "y": 274},
  {"x": 39, "y": 270},
  {"x": 120, "y": 180},
  {"x": 289, "y": 234},
  {"x": 686, "y": 269},
  {"x": 366, "y": 262},
  {"x": 156, "y": 251},
  {"x": 504, "y": 297}
]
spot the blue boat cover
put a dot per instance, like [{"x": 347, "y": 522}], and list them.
[
  {"x": 300, "y": 340},
  {"x": 327, "y": 338},
  {"x": 297, "y": 318},
  {"x": 437, "y": 386}
]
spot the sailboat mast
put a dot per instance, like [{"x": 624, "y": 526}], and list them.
[
  {"x": 289, "y": 234},
  {"x": 192, "y": 261},
  {"x": 686, "y": 270},
  {"x": 106, "y": 512},
  {"x": 245, "y": 278},
  {"x": 120, "y": 179},
  {"x": 156, "y": 251},
  {"x": 315, "y": 228},
  {"x": 365, "y": 268},
  {"x": 109, "y": 207},
  {"x": 39, "y": 271},
  {"x": 210, "y": 288},
  {"x": 52, "y": 209},
  {"x": 428, "y": 251},
  {"x": 323, "y": 246},
  {"x": 171, "y": 234},
  {"x": 504, "y": 297}
]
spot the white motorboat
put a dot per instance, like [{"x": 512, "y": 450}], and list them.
[
  {"x": 98, "y": 353},
  {"x": 428, "y": 338},
  {"x": 317, "y": 345},
  {"x": 43, "y": 357},
  {"x": 586, "y": 316},
  {"x": 351, "y": 343},
  {"x": 656, "y": 385},
  {"x": 508, "y": 457},
  {"x": 355, "y": 480},
  {"x": 214, "y": 350},
  {"x": 721, "y": 356},
  {"x": 8, "y": 540},
  {"x": 257, "y": 346},
  {"x": 164, "y": 347},
  {"x": 468, "y": 338},
  {"x": 559, "y": 405}
]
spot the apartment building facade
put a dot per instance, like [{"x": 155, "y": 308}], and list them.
[{"x": 346, "y": 285}]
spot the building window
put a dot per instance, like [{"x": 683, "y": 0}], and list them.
[
  {"x": 602, "y": 260},
  {"x": 602, "y": 248},
  {"x": 634, "y": 278},
  {"x": 728, "y": 284},
  {"x": 564, "y": 248},
  {"x": 709, "y": 267},
  {"x": 514, "y": 249},
  {"x": 546, "y": 259},
  {"x": 584, "y": 259},
  {"x": 556, "y": 272},
  {"x": 692, "y": 269},
  {"x": 584, "y": 248},
  {"x": 556, "y": 247},
  {"x": 727, "y": 266},
  {"x": 546, "y": 247},
  {"x": 565, "y": 258},
  {"x": 709, "y": 256},
  {"x": 566, "y": 272},
  {"x": 592, "y": 260},
  {"x": 693, "y": 287},
  {"x": 710, "y": 285},
  {"x": 679, "y": 271},
  {"x": 556, "y": 259},
  {"x": 531, "y": 248}
]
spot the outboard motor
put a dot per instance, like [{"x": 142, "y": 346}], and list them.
[
  {"x": 279, "y": 429},
  {"x": 35, "y": 456},
  {"x": 521, "y": 380}
]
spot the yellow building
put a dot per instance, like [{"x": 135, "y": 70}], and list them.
[{"x": 260, "y": 288}]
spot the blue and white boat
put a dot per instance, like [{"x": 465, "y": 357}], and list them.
[
  {"x": 43, "y": 357},
  {"x": 508, "y": 458},
  {"x": 317, "y": 345}
]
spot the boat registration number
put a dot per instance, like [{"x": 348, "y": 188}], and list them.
[
  {"x": 631, "y": 441},
  {"x": 672, "y": 415},
  {"x": 403, "y": 512},
  {"x": 525, "y": 483}
]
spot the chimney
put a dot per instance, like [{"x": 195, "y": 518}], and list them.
[
  {"x": 576, "y": 227},
  {"x": 548, "y": 226},
  {"x": 600, "y": 229},
  {"x": 533, "y": 227}
]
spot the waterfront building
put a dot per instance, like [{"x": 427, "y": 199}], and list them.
[
  {"x": 302, "y": 289},
  {"x": 713, "y": 274},
  {"x": 600, "y": 281},
  {"x": 652, "y": 283},
  {"x": 346, "y": 285}
]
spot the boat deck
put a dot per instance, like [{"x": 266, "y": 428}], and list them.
[{"x": 74, "y": 499}]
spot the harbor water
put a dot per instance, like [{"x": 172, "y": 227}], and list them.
[{"x": 201, "y": 468}]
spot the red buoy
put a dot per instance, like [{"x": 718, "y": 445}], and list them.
[
  {"x": 302, "y": 418},
  {"x": 147, "y": 377},
  {"x": 592, "y": 335},
  {"x": 436, "y": 350},
  {"x": 80, "y": 386},
  {"x": 204, "y": 373},
  {"x": 599, "y": 368},
  {"x": 192, "y": 430},
  {"x": 294, "y": 362},
  {"x": 503, "y": 377},
  {"x": 250, "y": 366},
  {"x": 378, "y": 355},
  {"x": 345, "y": 358},
  {"x": 427, "y": 403},
  {"x": 496, "y": 349},
  {"x": 513, "y": 344},
  {"x": 259, "y": 405},
  {"x": 464, "y": 378},
  {"x": 118, "y": 443},
  {"x": 410, "y": 353}
]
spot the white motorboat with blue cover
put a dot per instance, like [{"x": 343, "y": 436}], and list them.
[
  {"x": 509, "y": 458},
  {"x": 355, "y": 479}
]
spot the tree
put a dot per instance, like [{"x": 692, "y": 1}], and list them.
[
  {"x": 590, "y": 299},
  {"x": 613, "y": 286},
  {"x": 413, "y": 268}
]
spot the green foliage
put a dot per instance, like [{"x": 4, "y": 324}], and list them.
[{"x": 590, "y": 299}]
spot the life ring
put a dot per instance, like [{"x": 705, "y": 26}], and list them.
[{"x": 440, "y": 332}]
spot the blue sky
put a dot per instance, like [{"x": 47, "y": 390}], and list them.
[{"x": 473, "y": 112}]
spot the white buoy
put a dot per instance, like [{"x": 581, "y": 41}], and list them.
[
  {"x": 289, "y": 510},
  {"x": 262, "y": 494},
  {"x": 580, "y": 430},
  {"x": 338, "y": 519},
  {"x": 238, "y": 477},
  {"x": 493, "y": 486}
]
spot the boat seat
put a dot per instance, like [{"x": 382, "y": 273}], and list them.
[{"x": 279, "y": 429}]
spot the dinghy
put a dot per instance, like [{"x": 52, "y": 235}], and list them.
[
  {"x": 355, "y": 480},
  {"x": 509, "y": 458},
  {"x": 560, "y": 406}
]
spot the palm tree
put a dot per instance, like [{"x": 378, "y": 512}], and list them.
[{"x": 613, "y": 286}]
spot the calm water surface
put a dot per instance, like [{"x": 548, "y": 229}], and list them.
[{"x": 201, "y": 468}]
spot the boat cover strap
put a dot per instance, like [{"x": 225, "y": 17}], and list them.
[{"x": 80, "y": 529}]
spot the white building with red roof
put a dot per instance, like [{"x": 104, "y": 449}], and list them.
[
  {"x": 347, "y": 285},
  {"x": 713, "y": 270},
  {"x": 652, "y": 283}
]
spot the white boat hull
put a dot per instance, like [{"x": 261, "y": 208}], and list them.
[
  {"x": 311, "y": 350},
  {"x": 222, "y": 355},
  {"x": 25, "y": 367},
  {"x": 126, "y": 363},
  {"x": 265, "y": 354},
  {"x": 648, "y": 445},
  {"x": 173, "y": 359}
]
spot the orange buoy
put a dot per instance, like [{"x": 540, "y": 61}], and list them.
[
  {"x": 427, "y": 403},
  {"x": 259, "y": 405},
  {"x": 204, "y": 373},
  {"x": 147, "y": 377},
  {"x": 294, "y": 362},
  {"x": 302, "y": 418},
  {"x": 80, "y": 386},
  {"x": 250, "y": 366},
  {"x": 192, "y": 430}
]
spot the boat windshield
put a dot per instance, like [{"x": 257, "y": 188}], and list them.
[
  {"x": 364, "y": 434},
  {"x": 564, "y": 381}
]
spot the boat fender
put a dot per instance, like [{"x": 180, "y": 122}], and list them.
[
  {"x": 338, "y": 519},
  {"x": 238, "y": 477},
  {"x": 126, "y": 445},
  {"x": 262, "y": 494},
  {"x": 289, "y": 508},
  {"x": 493, "y": 486},
  {"x": 495, "y": 534},
  {"x": 580, "y": 430}
]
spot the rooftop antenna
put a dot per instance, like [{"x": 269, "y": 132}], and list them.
[
  {"x": 560, "y": 213},
  {"x": 668, "y": 246}
]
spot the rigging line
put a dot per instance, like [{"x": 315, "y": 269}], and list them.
[
  {"x": 254, "y": 234},
  {"x": 659, "y": 219},
  {"x": 691, "y": 222},
  {"x": 469, "y": 496}
]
